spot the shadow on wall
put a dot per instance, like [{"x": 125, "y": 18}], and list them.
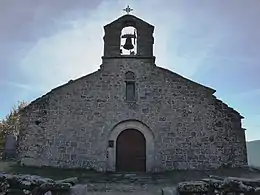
[{"x": 253, "y": 154}]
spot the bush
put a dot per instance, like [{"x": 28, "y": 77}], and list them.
[{"x": 10, "y": 124}]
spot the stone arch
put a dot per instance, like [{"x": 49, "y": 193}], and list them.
[
  {"x": 130, "y": 124},
  {"x": 130, "y": 76}
]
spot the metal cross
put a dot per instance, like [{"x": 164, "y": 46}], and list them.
[{"x": 128, "y": 9}]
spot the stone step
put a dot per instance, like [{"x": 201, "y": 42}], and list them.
[{"x": 117, "y": 189}]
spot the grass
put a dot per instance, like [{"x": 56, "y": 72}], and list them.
[
  {"x": 90, "y": 176},
  {"x": 50, "y": 172}
]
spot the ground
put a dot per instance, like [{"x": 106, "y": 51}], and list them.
[{"x": 124, "y": 184}]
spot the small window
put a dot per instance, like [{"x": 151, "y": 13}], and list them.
[
  {"x": 130, "y": 86},
  {"x": 130, "y": 91}
]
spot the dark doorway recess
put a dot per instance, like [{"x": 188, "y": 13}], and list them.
[{"x": 130, "y": 151}]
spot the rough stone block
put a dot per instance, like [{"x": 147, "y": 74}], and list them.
[
  {"x": 169, "y": 191},
  {"x": 79, "y": 189}
]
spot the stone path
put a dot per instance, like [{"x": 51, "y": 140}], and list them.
[
  {"x": 124, "y": 184},
  {"x": 118, "y": 189},
  {"x": 144, "y": 184}
]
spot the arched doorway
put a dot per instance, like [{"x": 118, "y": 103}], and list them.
[
  {"x": 128, "y": 125},
  {"x": 131, "y": 151}
]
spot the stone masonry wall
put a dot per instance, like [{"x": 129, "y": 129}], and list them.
[{"x": 192, "y": 128}]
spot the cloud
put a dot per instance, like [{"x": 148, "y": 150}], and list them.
[
  {"x": 20, "y": 85},
  {"x": 248, "y": 94},
  {"x": 75, "y": 46},
  {"x": 66, "y": 36},
  {"x": 67, "y": 55},
  {"x": 72, "y": 52},
  {"x": 27, "y": 19}
]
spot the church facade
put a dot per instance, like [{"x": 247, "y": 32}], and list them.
[{"x": 131, "y": 115}]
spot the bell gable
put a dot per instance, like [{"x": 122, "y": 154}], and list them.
[{"x": 141, "y": 37}]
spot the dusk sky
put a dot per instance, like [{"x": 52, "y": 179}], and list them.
[{"x": 46, "y": 43}]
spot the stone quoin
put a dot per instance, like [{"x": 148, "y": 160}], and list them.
[{"x": 131, "y": 110}]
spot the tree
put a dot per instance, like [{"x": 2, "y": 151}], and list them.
[{"x": 10, "y": 124}]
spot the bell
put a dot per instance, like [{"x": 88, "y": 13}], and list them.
[{"x": 128, "y": 44}]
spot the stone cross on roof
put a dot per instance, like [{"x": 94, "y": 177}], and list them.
[{"x": 128, "y": 9}]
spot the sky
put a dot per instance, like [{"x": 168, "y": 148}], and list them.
[{"x": 44, "y": 44}]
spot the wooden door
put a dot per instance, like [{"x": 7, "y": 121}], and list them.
[{"x": 130, "y": 151}]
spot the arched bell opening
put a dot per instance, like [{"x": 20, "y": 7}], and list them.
[{"x": 128, "y": 41}]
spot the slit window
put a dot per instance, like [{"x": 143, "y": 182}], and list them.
[{"x": 130, "y": 86}]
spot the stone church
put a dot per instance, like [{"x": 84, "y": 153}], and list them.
[{"x": 131, "y": 115}]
